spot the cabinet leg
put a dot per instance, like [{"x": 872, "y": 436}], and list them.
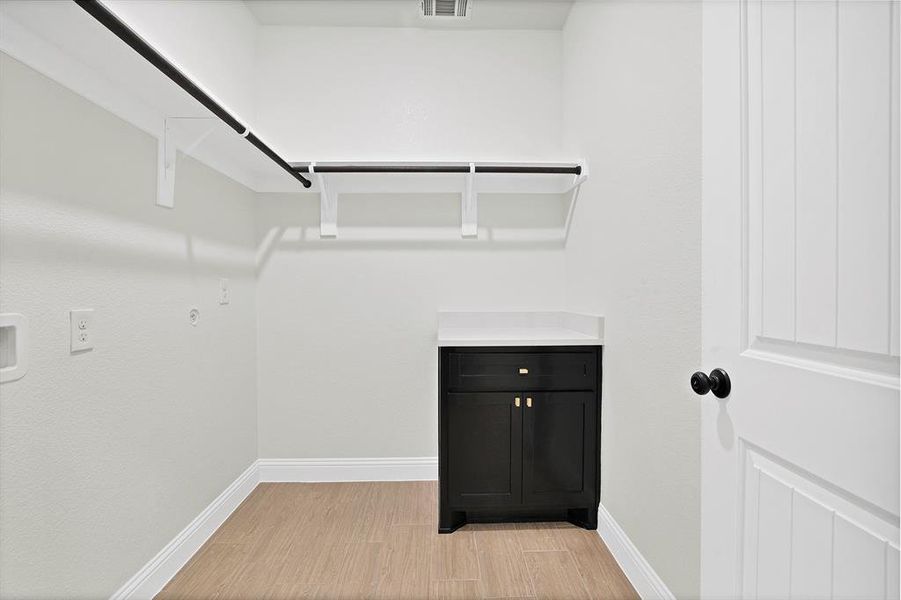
[
  {"x": 450, "y": 520},
  {"x": 587, "y": 518}
]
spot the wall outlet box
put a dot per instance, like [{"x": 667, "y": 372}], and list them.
[
  {"x": 13, "y": 348},
  {"x": 81, "y": 326}
]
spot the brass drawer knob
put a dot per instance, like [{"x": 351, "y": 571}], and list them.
[
  {"x": 528, "y": 403},
  {"x": 516, "y": 402},
  {"x": 523, "y": 371}
]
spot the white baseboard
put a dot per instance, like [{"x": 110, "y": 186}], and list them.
[
  {"x": 153, "y": 576},
  {"x": 348, "y": 469},
  {"x": 639, "y": 571}
]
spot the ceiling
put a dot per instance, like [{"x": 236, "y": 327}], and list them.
[{"x": 486, "y": 14}]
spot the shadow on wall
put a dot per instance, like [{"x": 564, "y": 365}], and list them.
[
  {"x": 118, "y": 226},
  {"x": 96, "y": 208},
  {"x": 290, "y": 222},
  {"x": 137, "y": 234}
]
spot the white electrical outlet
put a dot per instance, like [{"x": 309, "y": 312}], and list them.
[
  {"x": 223, "y": 291},
  {"x": 81, "y": 325}
]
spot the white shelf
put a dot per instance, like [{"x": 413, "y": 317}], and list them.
[
  {"x": 62, "y": 41},
  {"x": 65, "y": 43}
]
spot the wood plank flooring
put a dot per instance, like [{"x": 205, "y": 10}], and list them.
[{"x": 380, "y": 540}]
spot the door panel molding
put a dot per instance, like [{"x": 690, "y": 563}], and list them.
[
  {"x": 878, "y": 370},
  {"x": 820, "y": 271},
  {"x": 802, "y": 536}
]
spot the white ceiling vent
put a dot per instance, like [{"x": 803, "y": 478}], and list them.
[{"x": 446, "y": 8}]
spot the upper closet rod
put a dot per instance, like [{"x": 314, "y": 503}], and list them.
[
  {"x": 128, "y": 35},
  {"x": 436, "y": 168}
]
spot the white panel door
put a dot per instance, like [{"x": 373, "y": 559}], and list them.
[{"x": 800, "y": 463}]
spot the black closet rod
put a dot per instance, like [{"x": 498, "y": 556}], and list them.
[
  {"x": 436, "y": 168},
  {"x": 128, "y": 35}
]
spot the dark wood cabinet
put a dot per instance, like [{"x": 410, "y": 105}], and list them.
[
  {"x": 519, "y": 435},
  {"x": 559, "y": 449},
  {"x": 485, "y": 439}
]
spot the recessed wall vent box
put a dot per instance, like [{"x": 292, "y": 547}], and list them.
[
  {"x": 7, "y": 347},
  {"x": 446, "y": 8},
  {"x": 13, "y": 355}
]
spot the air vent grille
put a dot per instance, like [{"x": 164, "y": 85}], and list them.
[{"x": 445, "y": 8}]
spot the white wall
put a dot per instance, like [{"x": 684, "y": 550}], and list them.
[
  {"x": 347, "y": 351},
  {"x": 212, "y": 41},
  {"x": 326, "y": 93},
  {"x": 107, "y": 454},
  {"x": 632, "y": 81}
]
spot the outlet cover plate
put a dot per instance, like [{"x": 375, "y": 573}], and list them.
[
  {"x": 81, "y": 325},
  {"x": 223, "y": 292}
]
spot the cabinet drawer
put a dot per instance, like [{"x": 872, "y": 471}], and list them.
[{"x": 533, "y": 370}]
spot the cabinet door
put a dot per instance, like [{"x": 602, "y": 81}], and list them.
[
  {"x": 559, "y": 448},
  {"x": 484, "y": 449}
]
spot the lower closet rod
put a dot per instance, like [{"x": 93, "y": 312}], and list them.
[{"x": 437, "y": 168}]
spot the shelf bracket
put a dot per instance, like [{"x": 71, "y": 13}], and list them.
[
  {"x": 165, "y": 172},
  {"x": 328, "y": 206},
  {"x": 576, "y": 186},
  {"x": 167, "y": 153},
  {"x": 469, "y": 208}
]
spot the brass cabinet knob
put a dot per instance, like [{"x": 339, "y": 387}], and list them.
[
  {"x": 523, "y": 371},
  {"x": 528, "y": 403},
  {"x": 516, "y": 402}
]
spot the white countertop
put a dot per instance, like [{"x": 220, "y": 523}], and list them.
[{"x": 551, "y": 328}]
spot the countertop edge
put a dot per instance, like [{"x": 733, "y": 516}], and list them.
[
  {"x": 519, "y": 328},
  {"x": 506, "y": 343}
]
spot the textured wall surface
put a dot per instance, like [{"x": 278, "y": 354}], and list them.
[
  {"x": 632, "y": 80},
  {"x": 348, "y": 359},
  {"x": 106, "y": 455},
  {"x": 370, "y": 93},
  {"x": 212, "y": 41},
  {"x": 347, "y": 352}
]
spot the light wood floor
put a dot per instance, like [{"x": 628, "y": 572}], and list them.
[{"x": 380, "y": 540}]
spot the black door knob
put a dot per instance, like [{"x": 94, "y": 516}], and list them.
[{"x": 717, "y": 382}]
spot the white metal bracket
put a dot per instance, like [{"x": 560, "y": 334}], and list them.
[
  {"x": 165, "y": 173},
  {"x": 328, "y": 206},
  {"x": 167, "y": 151},
  {"x": 576, "y": 186},
  {"x": 469, "y": 208}
]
